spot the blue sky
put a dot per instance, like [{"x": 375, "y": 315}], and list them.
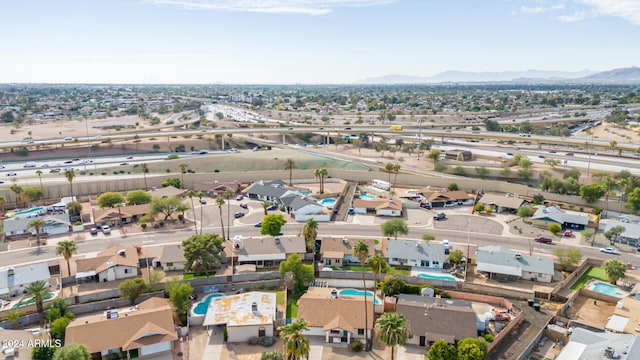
[{"x": 307, "y": 41}]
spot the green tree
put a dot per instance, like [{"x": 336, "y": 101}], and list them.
[
  {"x": 567, "y": 257},
  {"x": 219, "y": 203},
  {"x": 290, "y": 165},
  {"x": 14, "y": 316},
  {"x": 613, "y": 233},
  {"x": 615, "y": 269},
  {"x": 167, "y": 206},
  {"x": 555, "y": 228},
  {"x": 42, "y": 352},
  {"x": 271, "y": 355},
  {"x": 18, "y": 190},
  {"x": 66, "y": 248},
  {"x": 525, "y": 211},
  {"x": 70, "y": 174},
  {"x": 361, "y": 251},
  {"x": 272, "y": 224},
  {"x": 131, "y": 289},
  {"x": 37, "y": 225},
  {"x": 72, "y": 352},
  {"x": 296, "y": 346},
  {"x": 592, "y": 192},
  {"x": 302, "y": 274},
  {"x": 394, "y": 227},
  {"x": 393, "y": 330},
  {"x": 138, "y": 197},
  {"x": 472, "y": 349},
  {"x": 552, "y": 162},
  {"x": 175, "y": 182},
  {"x": 190, "y": 194},
  {"x": 203, "y": 252},
  {"x": 452, "y": 187},
  {"x": 310, "y": 233},
  {"x": 38, "y": 289},
  {"x": 59, "y": 327},
  {"x": 145, "y": 169},
  {"x": 179, "y": 297},
  {"x": 633, "y": 200},
  {"x": 33, "y": 194},
  {"x": 483, "y": 172},
  {"x": 455, "y": 256},
  {"x": 75, "y": 208},
  {"x": 110, "y": 199},
  {"x": 441, "y": 350},
  {"x": 377, "y": 265},
  {"x": 434, "y": 155}
]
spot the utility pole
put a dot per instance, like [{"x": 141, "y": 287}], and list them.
[
  {"x": 419, "y": 136},
  {"x": 590, "y": 150},
  {"x": 468, "y": 240}
]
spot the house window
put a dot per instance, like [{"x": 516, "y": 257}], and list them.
[
  {"x": 394, "y": 259},
  {"x": 424, "y": 263},
  {"x": 328, "y": 262},
  {"x": 336, "y": 332},
  {"x": 541, "y": 276},
  {"x": 126, "y": 271},
  {"x": 360, "y": 331},
  {"x": 169, "y": 264}
]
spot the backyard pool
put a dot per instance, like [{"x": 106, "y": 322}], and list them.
[
  {"x": 607, "y": 289},
  {"x": 31, "y": 211},
  {"x": 437, "y": 277},
  {"x": 304, "y": 192},
  {"x": 327, "y": 202},
  {"x": 353, "y": 292},
  {"x": 365, "y": 196},
  {"x": 201, "y": 307}
]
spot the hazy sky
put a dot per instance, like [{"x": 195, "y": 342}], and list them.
[{"x": 307, "y": 41}]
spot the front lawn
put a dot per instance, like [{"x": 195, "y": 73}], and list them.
[
  {"x": 292, "y": 309},
  {"x": 594, "y": 272},
  {"x": 188, "y": 276},
  {"x": 393, "y": 270}
]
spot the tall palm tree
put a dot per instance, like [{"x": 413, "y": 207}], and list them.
[
  {"x": 183, "y": 169},
  {"x": 145, "y": 169},
  {"x": 609, "y": 184},
  {"x": 36, "y": 224},
  {"x": 296, "y": 346},
  {"x": 290, "y": 165},
  {"x": 70, "y": 174},
  {"x": 361, "y": 251},
  {"x": 219, "y": 203},
  {"x": 434, "y": 155},
  {"x": 377, "y": 265},
  {"x": 18, "y": 190},
  {"x": 388, "y": 168},
  {"x": 228, "y": 194},
  {"x": 200, "y": 194},
  {"x": 191, "y": 194},
  {"x": 265, "y": 205},
  {"x": 321, "y": 174},
  {"x": 396, "y": 169},
  {"x": 309, "y": 233},
  {"x": 66, "y": 248},
  {"x": 392, "y": 330},
  {"x": 39, "y": 173},
  {"x": 38, "y": 289}
]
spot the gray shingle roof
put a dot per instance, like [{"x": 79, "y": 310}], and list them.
[
  {"x": 594, "y": 343},
  {"x": 415, "y": 249},
  {"x": 499, "y": 259},
  {"x": 631, "y": 230},
  {"x": 266, "y": 190}
]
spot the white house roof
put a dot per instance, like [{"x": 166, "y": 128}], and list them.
[
  {"x": 589, "y": 345},
  {"x": 416, "y": 249},
  {"x": 499, "y": 259},
  {"x": 23, "y": 275},
  {"x": 236, "y": 310},
  {"x": 631, "y": 230},
  {"x": 617, "y": 323},
  {"x": 560, "y": 216}
]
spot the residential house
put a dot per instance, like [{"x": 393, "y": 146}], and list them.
[
  {"x": 626, "y": 316},
  {"x": 440, "y": 199},
  {"x": 338, "y": 319},
  {"x": 429, "y": 254},
  {"x": 246, "y": 315},
  {"x": 591, "y": 345},
  {"x": 505, "y": 264},
  {"x": 545, "y": 216},
  {"x": 142, "y": 331},
  {"x": 265, "y": 252},
  {"x": 459, "y": 155},
  {"x": 18, "y": 226},
  {"x": 120, "y": 215},
  {"x": 303, "y": 208},
  {"x": 167, "y": 191},
  {"x": 500, "y": 203},
  {"x": 381, "y": 207},
  {"x": 630, "y": 235},
  {"x": 15, "y": 279},
  {"x": 213, "y": 189},
  {"x": 433, "y": 318},
  {"x": 169, "y": 257},
  {"x": 338, "y": 252},
  {"x": 114, "y": 263},
  {"x": 273, "y": 191}
]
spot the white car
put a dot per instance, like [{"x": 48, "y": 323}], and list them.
[
  {"x": 106, "y": 229},
  {"x": 609, "y": 250},
  {"x": 12, "y": 173},
  {"x": 68, "y": 138}
]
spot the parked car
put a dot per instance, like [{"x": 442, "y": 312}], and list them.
[
  {"x": 239, "y": 197},
  {"x": 502, "y": 316},
  {"x": 567, "y": 233},
  {"x": 609, "y": 250},
  {"x": 272, "y": 207},
  {"x": 93, "y": 231},
  {"x": 106, "y": 229},
  {"x": 425, "y": 206},
  {"x": 203, "y": 201},
  {"x": 351, "y": 211},
  {"x": 542, "y": 239},
  {"x": 258, "y": 224},
  {"x": 445, "y": 243},
  {"x": 439, "y": 216},
  {"x": 238, "y": 214},
  {"x": 244, "y": 205}
]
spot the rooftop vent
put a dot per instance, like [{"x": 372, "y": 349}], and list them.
[
  {"x": 334, "y": 293},
  {"x": 254, "y": 307},
  {"x": 345, "y": 241},
  {"x": 277, "y": 240},
  {"x": 10, "y": 271},
  {"x": 121, "y": 252}
]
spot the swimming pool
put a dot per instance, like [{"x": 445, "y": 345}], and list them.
[
  {"x": 304, "y": 192},
  {"x": 365, "y": 196},
  {"x": 607, "y": 289},
  {"x": 354, "y": 292},
  {"x": 437, "y": 277},
  {"x": 328, "y": 202},
  {"x": 32, "y": 210},
  {"x": 201, "y": 307}
]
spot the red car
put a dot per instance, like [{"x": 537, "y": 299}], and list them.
[
  {"x": 543, "y": 240},
  {"x": 567, "y": 233}
]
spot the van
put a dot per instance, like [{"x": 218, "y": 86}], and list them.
[{"x": 30, "y": 164}]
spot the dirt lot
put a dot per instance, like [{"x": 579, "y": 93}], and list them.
[{"x": 591, "y": 312}]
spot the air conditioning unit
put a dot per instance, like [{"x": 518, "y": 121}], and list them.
[{"x": 345, "y": 241}]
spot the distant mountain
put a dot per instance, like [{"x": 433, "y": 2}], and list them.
[
  {"x": 630, "y": 74},
  {"x": 471, "y": 77}
]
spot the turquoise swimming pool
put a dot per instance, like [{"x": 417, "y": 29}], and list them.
[
  {"x": 304, "y": 192},
  {"x": 202, "y": 306},
  {"x": 437, "y": 277},
  {"x": 354, "y": 292},
  {"x": 607, "y": 289},
  {"x": 328, "y": 202},
  {"x": 365, "y": 196},
  {"x": 32, "y": 210}
]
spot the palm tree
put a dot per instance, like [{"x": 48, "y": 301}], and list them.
[
  {"x": 14, "y": 316},
  {"x": 3, "y": 201},
  {"x": 70, "y": 174},
  {"x": 609, "y": 184},
  {"x": 228, "y": 194},
  {"x": 36, "y": 224},
  {"x": 18, "y": 190},
  {"x": 191, "y": 194},
  {"x": 219, "y": 203},
  {"x": 39, "y": 173},
  {"x": 392, "y": 330},
  {"x": 296, "y": 346},
  {"x": 200, "y": 194},
  {"x": 377, "y": 265},
  {"x": 38, "y": 289},
  {"x": 388, "y": 168},
  {"x": 434, "y": 155},
  {"x": 265, "y": 205},
  {"x": 290, "y": 165},
  {"x": 183, "y": 169},
  {"x": 321, "y": 174},
  {"x": 66, "y": 248},
  {"x": 396, "y": 169},
  {"x": 361, "y": 251},
  {"x": 310, "y": 232},
  {"x": 145, "y": 169}
]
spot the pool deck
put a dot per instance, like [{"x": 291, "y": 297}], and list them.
[
  {"x": 590, "y": 285},
  {"x": 415, "y": 272}
]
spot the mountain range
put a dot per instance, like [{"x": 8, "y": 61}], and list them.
[{"x": 622, "y": 75}]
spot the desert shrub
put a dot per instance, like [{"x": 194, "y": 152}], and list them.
[
  {"x": 143, "y": 226},
  {"x": 253, "y": 340},
  {"x": 356, "y": 345},
  {"x": 488, "y": 337},
  {"x": 267, "y": 341},
  {"x": 156, "y": 226}
]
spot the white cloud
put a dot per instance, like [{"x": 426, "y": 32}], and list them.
[
  {"x": 306, "y": 7},
  {"x": 576, "y": 16},
  {"x": 539, "y": 9},
  {"x": 626, "y": 9}
]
